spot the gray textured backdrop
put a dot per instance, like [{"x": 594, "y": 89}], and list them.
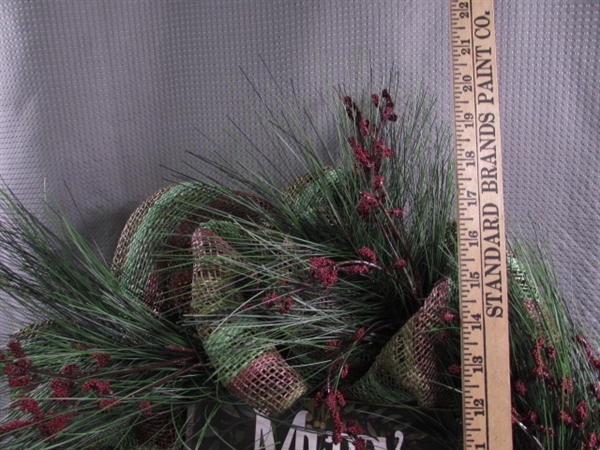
[{"x": 98, "y": 97}]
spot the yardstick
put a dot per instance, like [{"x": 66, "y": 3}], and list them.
[{"x": 483, "y": 284}]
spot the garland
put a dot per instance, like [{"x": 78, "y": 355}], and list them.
[{"x": 333, "y": 281}]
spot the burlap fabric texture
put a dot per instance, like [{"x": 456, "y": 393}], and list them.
[
  {"x": 168, "y": 256},
  {"x": 406, "y": 370}
]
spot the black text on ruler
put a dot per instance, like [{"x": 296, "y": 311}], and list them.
[{"x": 481, "y": 232}]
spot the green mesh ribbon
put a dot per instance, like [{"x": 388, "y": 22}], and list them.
[
  {"x": 144, "y": 236},
  {"x": 406, "y": 370},
  {"x": 168, "y": 255},
  {"x": 308, "y": 194},
  {"x": 177, "y": 255},
  {"x": 253, "y": 371}
]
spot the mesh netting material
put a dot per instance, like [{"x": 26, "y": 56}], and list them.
[
  {"x": 228, "y": 349},
  {"x": 211, "y": 278},
  {"x": 268, "y": 384},
  {"x": 131, "y": 228},
  {"x": 168, "y": 231},
  {"x": 256, "y": 374},
  {"x": 306, "y": 193},
  {"x": 406, "y": 370},
  {"x": 203, "y": 286},
  {"x": 144, "y": 240},
  {"x": 522, "y": 280}
]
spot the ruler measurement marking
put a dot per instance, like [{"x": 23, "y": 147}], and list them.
[
  {"x": 483, "y": 372},
  {"x": 482, "y": 249}
]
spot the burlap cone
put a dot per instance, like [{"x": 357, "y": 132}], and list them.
[{"x": 406, "y": 369}]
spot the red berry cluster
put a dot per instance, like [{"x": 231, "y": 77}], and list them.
[
  {"x": 530, "y": 420},
  {"x": 146, "y": 408},
  {"x": 23, "y": 376},
  {"x": 540, "y": 370},
  {"x": 54, "y": 423},
  {"x": 334, "y": 402},
  {"x": 593, "y": 360},
  {"x": 19, "y": 372},
  {"x": 355, "y": 430},
  {"x": 48, "y": 424},
  {"x": 14, "y": 425},
  {"x": 284, "y": 303},
  {"x": 101, "y": 359},
  {"x": 323, "y": 270},
  {"x": 370, "y": 148},
  {"x": 102, "y": 388},
  {"x": 61, "y": 389},
  {"x": 578, "y": 416}
]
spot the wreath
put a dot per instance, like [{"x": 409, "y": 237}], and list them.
[{"x": 327, "y": 275}]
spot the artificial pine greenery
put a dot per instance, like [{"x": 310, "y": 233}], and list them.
[{"x": 328, "y": 274}]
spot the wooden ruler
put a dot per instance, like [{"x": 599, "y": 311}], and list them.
[{"x": 481, "y": 232}]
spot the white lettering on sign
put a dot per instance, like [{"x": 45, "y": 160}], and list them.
[{"x": 264, "y": 438}]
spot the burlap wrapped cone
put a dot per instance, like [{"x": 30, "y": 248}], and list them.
[
  {"x": 406, "y": 370},
  {"x": 253, "y": 371},
  {"x": 309, "y": 195},
  {"x": 169, "y": 261}
]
